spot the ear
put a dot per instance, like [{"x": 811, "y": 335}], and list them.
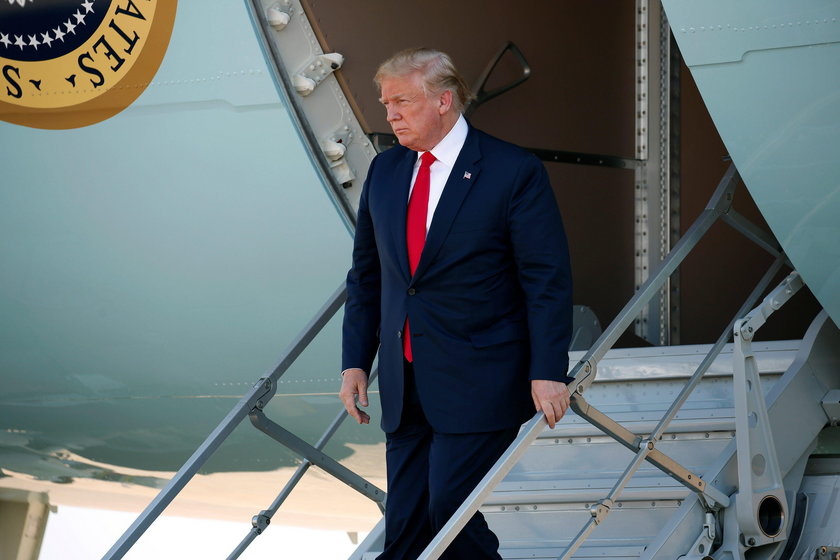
[{"x": 445, "y": 102}]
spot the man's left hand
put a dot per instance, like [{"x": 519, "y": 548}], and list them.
[{"x": 552, "y": 397}]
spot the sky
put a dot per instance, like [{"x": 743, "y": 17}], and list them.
[{"x": 68, "y": 537}]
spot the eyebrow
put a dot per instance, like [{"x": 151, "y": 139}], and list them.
[
  {"x": 393, "y": 97},
  {"x": 403, "y": 95}
]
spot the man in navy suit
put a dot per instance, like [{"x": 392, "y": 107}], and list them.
[{"x": 472, "y": 319}]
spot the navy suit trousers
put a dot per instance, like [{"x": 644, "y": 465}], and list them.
[{"x": 430, "y": 474}]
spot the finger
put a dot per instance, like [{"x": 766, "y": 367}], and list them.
[
  {"x": 564, "y": 403},
  {"x": 537, "y": 406},
  {"x": 560, "y": 410},
  {"x": 353, "y": 387},
  {"x": 345, "y": 397},
  {"x": 548, "y": 410},
  {"x": 348, "y": 398},
  {"x": 362, "y": 388},
  {"x": 352, "y": 410},
  {"x": 355, "y": 413},
  {"x": 363, "y": 418}
]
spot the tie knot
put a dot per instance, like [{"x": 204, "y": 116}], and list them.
[{"x": 427, "y": 159}]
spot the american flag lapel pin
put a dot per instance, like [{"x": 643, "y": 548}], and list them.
[{"x": 467, "y": 175}]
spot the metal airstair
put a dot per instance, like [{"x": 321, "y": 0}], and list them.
[
  {"x": 676, "y": 453},
  {"x": 561, "y": 482},
  {"x": 686, "y": 453}
]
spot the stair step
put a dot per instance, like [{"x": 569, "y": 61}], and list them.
[
  {"x": 684, "y": 424},
  {"x": 528, "y": 499},
  {"x": 545, "y": 500},
  {"x": 615, "y": 552},
  {"x": 629, "y": 521},
  {"x": 625, "y": 552},
  {"x": 605, "y": 457}
]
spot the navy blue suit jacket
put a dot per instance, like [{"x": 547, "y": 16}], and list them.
[{"x": 490, "y": 302}]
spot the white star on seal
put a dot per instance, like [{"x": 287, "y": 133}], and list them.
[
  {"x": 79, "y": 17},
  {"x": 70, "y": 27},
  {"x": 46, "y": 39},
  {"x": 5, "y": 40},
  {"x": 59, "y": 34},
  {"x": 33, "y": 41},
  {"x": 19, "y": 41},
  {"x": 88, "y": 6}
]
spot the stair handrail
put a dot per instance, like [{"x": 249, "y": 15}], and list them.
[
  {"x": 585, "y": 371},
  {"x": 252, "y": 403}
]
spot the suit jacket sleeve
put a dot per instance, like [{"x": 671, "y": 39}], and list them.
[
  {"x": 360, "y": 338},
  {"x": 541, "y": 253}
]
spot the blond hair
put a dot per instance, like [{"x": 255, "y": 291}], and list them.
[{"x": 437, "y": 69}]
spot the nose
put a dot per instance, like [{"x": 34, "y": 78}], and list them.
[{"x": 393, "y": 114}]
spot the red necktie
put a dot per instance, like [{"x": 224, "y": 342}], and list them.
[{"x": 415, "y": 229}]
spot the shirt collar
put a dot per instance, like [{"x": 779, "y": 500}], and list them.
[{"x": 448, "y": 149}]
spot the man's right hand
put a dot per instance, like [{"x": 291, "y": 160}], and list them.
[{"x": 354, "y": 384}]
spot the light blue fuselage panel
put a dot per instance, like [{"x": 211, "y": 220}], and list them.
[
  {"x": 768, "y": 73},
  {"x": 156, "y": 264}
]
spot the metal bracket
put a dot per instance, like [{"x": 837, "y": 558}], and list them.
[
  {"x": 316, "y": 71},
  {"x": 268, "y": 387},
  {"x": 279, "y": 14},
  {"x": 342, "y": 138},
  {"x": 827, "y": 553},
  {"x": 583, "y": 374},
  {"x": 761, "y": 505},
  {"x": 482, "y": 95},
  {"x": 831, "y": 406},
  {"x": 601, "y": 510},
  {"x": 334, "y": 149},
  {"x": 261, "y": 522},
  {"x": 702, "y": 547}
]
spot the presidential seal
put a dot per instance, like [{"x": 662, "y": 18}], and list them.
[{"x": 72, "y": 63}]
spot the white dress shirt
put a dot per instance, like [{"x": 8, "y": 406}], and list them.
[{"x": 446, "y": 152}]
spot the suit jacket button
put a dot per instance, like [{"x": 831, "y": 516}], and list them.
[
  {"x": 411, "y": 291},
  {"x": 399, "y": 334}
]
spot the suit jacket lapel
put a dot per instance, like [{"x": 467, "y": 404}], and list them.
[
  {"x": 461, "y": 179},
  {"x": 398, "y": 206}
]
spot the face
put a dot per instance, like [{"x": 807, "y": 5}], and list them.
[{"x": 420, "y": 121}]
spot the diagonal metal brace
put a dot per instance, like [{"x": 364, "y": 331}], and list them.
[
  {"x": 316, "y": 456},
  {"x": 261, "y": 521},
  {"x": 260, "y": 393},
  {"x": 631, "y": 441}
]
